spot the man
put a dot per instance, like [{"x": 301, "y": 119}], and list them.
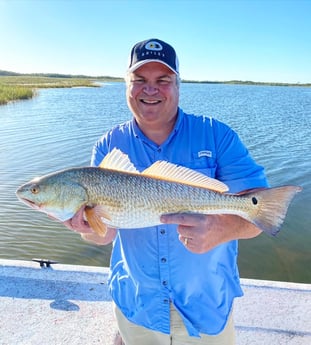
[{"x": 175, "y": 283}]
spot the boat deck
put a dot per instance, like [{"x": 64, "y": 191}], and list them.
[{"x": 66, "y": 304}]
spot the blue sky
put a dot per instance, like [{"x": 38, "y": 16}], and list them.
[{"x": 259, "y": 40}]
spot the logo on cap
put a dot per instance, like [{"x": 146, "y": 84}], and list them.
[
  {"x": 153, "y": 45},
  {"x": 153, "y": 50}
]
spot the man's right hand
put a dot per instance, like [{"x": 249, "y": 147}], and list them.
[
  {"x": 78, "y": 224},
  {"x": 101, "y": 240}
]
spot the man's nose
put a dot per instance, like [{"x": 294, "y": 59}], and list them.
[{"x": 150, "y": 89}]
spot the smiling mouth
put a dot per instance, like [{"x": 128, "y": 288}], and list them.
[{"x": 150, "y": 102}]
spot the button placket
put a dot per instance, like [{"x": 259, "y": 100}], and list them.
[{"x": 163, "y": 259}]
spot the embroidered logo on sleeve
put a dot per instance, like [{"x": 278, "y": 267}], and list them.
[{"x": 205, "y": 153}]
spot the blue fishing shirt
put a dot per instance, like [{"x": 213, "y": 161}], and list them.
[{"x": 150, "y": 268}]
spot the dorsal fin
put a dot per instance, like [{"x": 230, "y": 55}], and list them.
[
  {"x": 117, "y": 160},
  {"x": 173, "y": 173}
]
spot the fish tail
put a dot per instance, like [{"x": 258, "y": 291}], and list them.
[{"x": 273, "y": 205}]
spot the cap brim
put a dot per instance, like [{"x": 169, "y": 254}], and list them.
[{"x": 144, "y": 62}]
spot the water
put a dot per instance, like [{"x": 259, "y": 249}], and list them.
[{"x": 58, "y": 128}]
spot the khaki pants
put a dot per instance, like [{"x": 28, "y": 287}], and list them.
[{"x": 137, "y": 335}]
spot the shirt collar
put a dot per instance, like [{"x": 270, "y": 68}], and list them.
[{"x": 140, "y": 135}]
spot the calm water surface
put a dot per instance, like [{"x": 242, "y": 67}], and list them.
[{"x": 58, "y": 128}]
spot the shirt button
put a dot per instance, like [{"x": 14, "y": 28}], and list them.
[
  {"x": 163, "y": 260},
  {"x": 162, "y": 231},
  {"x": 164, "y": 282},
  {"x": 165, "y": 301}
]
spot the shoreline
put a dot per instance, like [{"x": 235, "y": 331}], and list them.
[
  {"x": 15, "y": 86},
  {"x": 21, "y": 88}
]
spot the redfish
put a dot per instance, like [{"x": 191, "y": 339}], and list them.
[{"x": 115, "y": 194}]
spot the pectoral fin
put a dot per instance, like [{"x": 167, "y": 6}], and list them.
[{"x": 94, "y": 217}]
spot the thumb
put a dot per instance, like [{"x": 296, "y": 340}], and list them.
[{"x": 182, "y": 218}]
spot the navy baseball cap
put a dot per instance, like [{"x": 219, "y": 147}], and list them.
[{"x": 153, "y": 50}]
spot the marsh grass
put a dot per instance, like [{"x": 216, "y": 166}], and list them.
[
  {"x": 23, "y": 87},
  {"x": 10, "y": 93}
]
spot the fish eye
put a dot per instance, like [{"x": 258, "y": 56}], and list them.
[
  {"x": 254, "y": 200},
  {"x": 35, "y": 189}
]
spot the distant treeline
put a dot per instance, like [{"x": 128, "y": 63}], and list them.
[
  {"x": 108, "y": 78},
  {"x": 246, "y": 82},
  {"x": 57, "y": 75}
]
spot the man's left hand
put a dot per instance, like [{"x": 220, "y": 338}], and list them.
[{"x": 201, "y": 233}]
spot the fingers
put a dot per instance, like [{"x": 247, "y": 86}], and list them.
[
  {"x": 188, "y": 219},
  {"x": 100, "y": 240},
  {"x": 192, "y": 229},
  {"x": 78, "y": 225},
  {"x": 200, "y": 233},
  {"x": 186, "y": 241},
  {"x": 189, "y": 224},
  {"x": 190, "y": 244},
  {"x": 94, "y": 238}
]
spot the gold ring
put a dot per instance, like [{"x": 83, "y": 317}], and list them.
[{"x": 186, "y": 241}]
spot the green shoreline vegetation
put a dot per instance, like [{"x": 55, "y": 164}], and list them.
[{"x": 16, "y": 86}]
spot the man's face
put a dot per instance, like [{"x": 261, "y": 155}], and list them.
[{"x": 153, "y": 95}]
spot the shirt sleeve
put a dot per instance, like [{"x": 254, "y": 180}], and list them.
[
  {"x": 235, "y": 166},
  {"x": 100, "y": 149}
]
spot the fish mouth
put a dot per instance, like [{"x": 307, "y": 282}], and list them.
[{"x": 31, "y": 203}]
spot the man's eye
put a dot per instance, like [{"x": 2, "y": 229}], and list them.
[
  {"x": 138, "y": 81},
  {"x": 164, "y": 81}
]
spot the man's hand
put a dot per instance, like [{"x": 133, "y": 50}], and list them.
[
  {"x": 101, "y": 240},
  {"x": 201, "y": 233},
  {"x": 78, "y": 224}
]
